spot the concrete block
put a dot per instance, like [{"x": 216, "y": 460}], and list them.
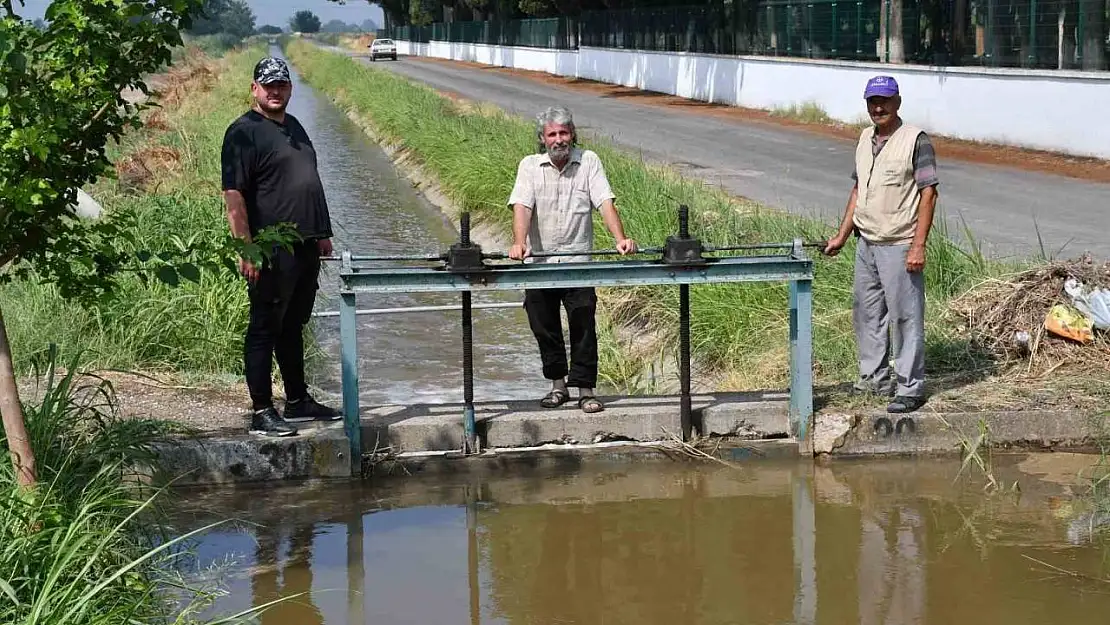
[
  {"x": 933, "y": 433},
  {"x": 525, "y": 423},
  {"x": 572, "y": 426},
  {"x": 751, "y": 417},
  {"x": 317, "y": 452}
]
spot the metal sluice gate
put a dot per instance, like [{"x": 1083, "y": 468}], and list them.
[{"x": 682, "y": 261}]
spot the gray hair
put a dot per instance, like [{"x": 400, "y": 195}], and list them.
[{"x": 555, "y": 115}]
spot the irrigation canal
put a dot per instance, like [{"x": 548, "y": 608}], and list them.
[
  {"x": 407, "y": 357},
  {"x": 899, "y": 542},
  {"x": 871, "y": 542}
]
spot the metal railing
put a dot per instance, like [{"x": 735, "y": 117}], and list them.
[
  {"x": 1043, "y": 34},
  {"x": 682, "y": 262}
]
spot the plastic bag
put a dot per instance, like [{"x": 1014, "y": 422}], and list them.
[
  {"x": 1095, "y": 304},
  {"x": 1069, "y": 323}
]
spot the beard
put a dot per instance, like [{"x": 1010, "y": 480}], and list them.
[
  {"x": 559, "y": 151},
  {"x": 266, "y": 105}
]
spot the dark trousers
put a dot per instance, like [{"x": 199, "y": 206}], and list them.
[
  {"x": 542, "y": 306},
  {"x": 281, "y": 303}
]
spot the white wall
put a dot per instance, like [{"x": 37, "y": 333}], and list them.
[{"x": 1061, "y": 111}]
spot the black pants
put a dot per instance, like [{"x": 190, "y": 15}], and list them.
[
  {"x": 281, "y": 303},
  {"x": 542, "y": 306}
]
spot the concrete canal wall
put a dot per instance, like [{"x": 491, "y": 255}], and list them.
[{"x": 737, "y": 428}]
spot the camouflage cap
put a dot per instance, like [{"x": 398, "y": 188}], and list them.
[{"x": 271, "y": 69}]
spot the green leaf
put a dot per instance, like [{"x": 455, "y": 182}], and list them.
[
  {"x": 168, "y": 275},
  {"x": 143, "y": 255},
  {"x": 3, "y": 91},
  {"x": 190, "y": 272},
  {"x": 7, "y": 589}
]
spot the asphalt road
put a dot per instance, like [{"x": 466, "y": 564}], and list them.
[{"x": 804, "y": 172}]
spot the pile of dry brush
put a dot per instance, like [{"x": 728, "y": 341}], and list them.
[{"x": 1006, "y": 317}]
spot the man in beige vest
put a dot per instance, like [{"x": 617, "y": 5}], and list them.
[{"x": 890, "y": 211}]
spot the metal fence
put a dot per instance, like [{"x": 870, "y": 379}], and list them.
[
  {"x": 1045, "y": 34},
  {"x": 556, "y": 32}
]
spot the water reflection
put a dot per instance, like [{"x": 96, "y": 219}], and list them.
[
  {"x": 283, "y": 569},
  {"x": 891, "y": 543}
]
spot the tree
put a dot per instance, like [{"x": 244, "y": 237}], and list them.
[
  {"x": 238, "y": 19},
  {"x": 304, "y": 21},
  {"x": 206, "y": 20},
  {"x": 270, "y": 29},
  {"x": 224, "y": 16},
  {"x": 60, "y": 104},
  {"x": 369, "y": 25},
  {"x": 337, "y": 26}
]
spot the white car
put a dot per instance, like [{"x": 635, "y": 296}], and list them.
[{"x": 381, "y": 48}]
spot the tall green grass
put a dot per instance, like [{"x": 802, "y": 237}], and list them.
[
  {"x": 195, "y": 327},
  {"x": 474, "y": 152},
  {"x": 83, "y": 548}
]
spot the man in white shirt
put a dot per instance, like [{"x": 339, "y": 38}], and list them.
[{"x": 553, "y": 200}]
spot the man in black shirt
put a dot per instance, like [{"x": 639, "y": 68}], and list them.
[{"x": 270, "y": 177}]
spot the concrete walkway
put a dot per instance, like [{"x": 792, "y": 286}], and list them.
[
  {"x": 407, "y": 440},
  {"x": 802, "y": 172}
]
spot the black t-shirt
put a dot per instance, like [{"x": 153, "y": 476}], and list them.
[{"x": 274, "y": 166}]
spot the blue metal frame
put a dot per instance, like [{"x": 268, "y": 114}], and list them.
[{"x": 794, "y": 267}]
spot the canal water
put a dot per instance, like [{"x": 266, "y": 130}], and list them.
[
  {"x": 411, "y": 357},
  {"x": 879, "y": 542}
]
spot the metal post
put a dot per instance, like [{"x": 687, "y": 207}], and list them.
[
  {"x": 886, "y": 32},
  {"x": 809, "y": 30},
  {"x": 1081, "y": 30},
  {"x": 859, "y": 30},
  {"x": 835, "y": 30},
  {"x": 348, "y": 339},
  {"x": 801, "y": 355},
  {"x": 686, "y": 419},
  {"x": 471, "y": 442},
  {"x": 1032, "y": 33},
  {"x": 789, "y": 28},
  {"x": 989, "y": 52}
]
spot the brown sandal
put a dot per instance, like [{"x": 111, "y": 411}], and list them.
[
  {"x": 590, "y": 404},
  {"x": 554, "y": 399}
]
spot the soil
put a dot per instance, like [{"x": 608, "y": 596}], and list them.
[
  {"x": 207, "y": 409},
  {"x": 1083, "y": 168}
]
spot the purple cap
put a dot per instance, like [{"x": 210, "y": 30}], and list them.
[{"x": 884, "y": 86}]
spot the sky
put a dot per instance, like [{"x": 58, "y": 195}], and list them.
[{"x": 276, "y": 12}]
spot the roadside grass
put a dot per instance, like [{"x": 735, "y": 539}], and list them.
[
  {"x": 168, "y": 179},
  {"x": 806, "y": 112},
  {"x": 739, "y": 331}
]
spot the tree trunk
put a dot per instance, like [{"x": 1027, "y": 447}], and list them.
[
  {"x": 23, "y": 459},
  {"x": 892, "y": 47},
  {"x": 959, "y": 47},
  {"x": 1065, "y": 35},
  {"x": 1093, "y": 37}
]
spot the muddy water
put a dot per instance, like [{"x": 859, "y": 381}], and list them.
[
  {"x": 415, "y": 357},
  {"x": 879, "y": 542}
]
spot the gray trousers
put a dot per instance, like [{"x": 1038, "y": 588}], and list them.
[{"x": 888, "y": 312}]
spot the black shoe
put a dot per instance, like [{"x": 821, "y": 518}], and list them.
[
  {"x": 269, "y": 423},
  {"x": 902, "y": 404},
  {"x": 309, "y": 409},
  {"x": 862, "y": 388}
]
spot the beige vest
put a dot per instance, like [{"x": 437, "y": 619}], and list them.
[{"x": 887, "y": 194}]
